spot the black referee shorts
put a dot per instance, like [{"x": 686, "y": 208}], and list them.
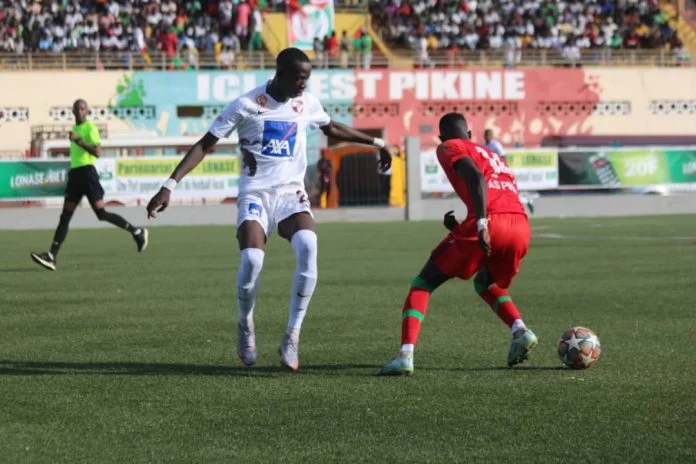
[{"x": 83, "y": 181}]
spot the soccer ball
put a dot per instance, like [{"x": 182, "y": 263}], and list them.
[{"x": 579, "y": 348}]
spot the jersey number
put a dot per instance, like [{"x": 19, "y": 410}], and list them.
[{"x": 494, "y": 160}]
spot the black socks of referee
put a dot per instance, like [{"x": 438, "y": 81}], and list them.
[
  {"x": 102, "y": 215},
  {"x": 114, "y": 219},
  {"x": 61, "y": 232}
]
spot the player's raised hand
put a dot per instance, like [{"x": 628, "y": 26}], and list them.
[
  {"x": 249, "y": 161},
  {"x": 158, "y": 203},
  {"x": 449, "y": 221},
  {"x": 385, "y": 159},
  {"x": 485, "y": 241}
]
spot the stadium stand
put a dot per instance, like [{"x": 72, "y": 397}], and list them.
[
  {"x": 571, "y": 28},
  {"x": 228, "y": 34},
  {"x": 180, "y": 29}
]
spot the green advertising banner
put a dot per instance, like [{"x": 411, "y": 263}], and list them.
[
  {"x": 122, "y": 178},
  {"x": 533, "y": 169},
  {"x": 215, "y": 177},
  {"x": 30, "y": 179},
  {"x": 627, "y": 167}
]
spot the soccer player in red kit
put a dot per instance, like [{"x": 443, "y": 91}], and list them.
[{"x": 489, "y": 244}]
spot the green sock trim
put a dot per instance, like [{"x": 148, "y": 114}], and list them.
[
  {"x": 412, "y": 313},
  {"x": 500, "y": 301},
  {"x": 418, "y": 282}
]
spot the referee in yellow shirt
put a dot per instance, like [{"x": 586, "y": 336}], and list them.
[{"x": 83, "y": 180}]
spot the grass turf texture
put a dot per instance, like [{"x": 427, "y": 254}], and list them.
[{"x": 121, "y": 357}]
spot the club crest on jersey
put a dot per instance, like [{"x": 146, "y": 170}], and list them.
[
  {"x": 262, "y": 100},
  {"x": 298, "y": 106},
  {"x": 279, "y": 138}
]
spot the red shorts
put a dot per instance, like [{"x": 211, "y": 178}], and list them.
[{"x": 459, "y": 254}]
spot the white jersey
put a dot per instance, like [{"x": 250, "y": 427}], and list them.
[{"x": 275, "y": 133}]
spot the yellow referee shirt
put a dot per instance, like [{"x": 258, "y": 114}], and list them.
[{"x": 89, "y": 134}]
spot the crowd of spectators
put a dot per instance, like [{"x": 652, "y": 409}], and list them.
[
  {"x": 567, "y": 25},
  {"x": 182, "y": 29},
  {"x": 174, "y": 28},
  {"x": 330, "y": 51}
]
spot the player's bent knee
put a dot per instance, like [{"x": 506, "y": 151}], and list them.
[
  {"x": 249, "y": 269},
  {"x": 252, "y": 260},
  {"x": 423, "y": 284},
  {"x": 304, "y": 242},
  {"x": 101, "y": 213},
  {"x": 479, "y": 286},
  {"x": 483, "y": 280}
]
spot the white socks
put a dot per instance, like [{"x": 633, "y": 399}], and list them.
[
  {"x": 304, "y": 242},
  {"x": 248, "y": 282},
  {"x": 517, "y": 324}
]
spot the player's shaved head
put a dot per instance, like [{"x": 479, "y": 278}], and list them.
[
  {"x": 454, "y": 126},
  {"x": 291, "y": 58},
  {"x": 293, "y": 69},
  {"x": 80, "y": 110}
]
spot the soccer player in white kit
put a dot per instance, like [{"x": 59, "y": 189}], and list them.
[{"x": 272, "y": 121}]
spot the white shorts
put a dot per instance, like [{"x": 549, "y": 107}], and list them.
[{"x": 270, "y": 207}]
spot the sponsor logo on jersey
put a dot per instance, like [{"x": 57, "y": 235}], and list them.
[
  {"x": 255, "y": 209},
  {"x": 279, "y": 138}
]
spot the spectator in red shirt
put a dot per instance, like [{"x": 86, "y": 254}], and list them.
[
  {"x": 241, "y": 27},
  {"x": 168, "y": 42},
  {"x": 632, "y": 40},
  {"x": 332, "y": 46},
  {"x": 404, "y": 9}
]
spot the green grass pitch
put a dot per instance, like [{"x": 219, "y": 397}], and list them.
[{"x": 126, "y": 357}]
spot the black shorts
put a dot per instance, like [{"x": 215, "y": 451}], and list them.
[{"x": 84, "y": 181}]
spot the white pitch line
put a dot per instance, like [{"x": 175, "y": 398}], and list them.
[{"x": 610, "y": 237}]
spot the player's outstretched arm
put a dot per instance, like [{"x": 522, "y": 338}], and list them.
[
  {"x": 193, "y": 157},
  {"x": 476, "y": 182},
  {"x": 348, "y": 134}
]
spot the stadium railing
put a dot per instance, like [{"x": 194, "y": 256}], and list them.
[
  {"x": 553, "y": 57},
  {"x": 115, "y": 60}
]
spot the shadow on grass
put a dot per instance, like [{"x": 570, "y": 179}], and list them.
[
  {"x": 29, "y": 368},
  {"x": 20, "y": 368},
  {"x": 496, "y": 368}
]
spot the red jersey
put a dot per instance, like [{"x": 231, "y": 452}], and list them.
[{"x": 502, "y": 191}]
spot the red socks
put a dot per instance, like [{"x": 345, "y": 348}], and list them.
[
  {"x": 499, "y": 300},
  {"x": 414, "y": 310}
]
